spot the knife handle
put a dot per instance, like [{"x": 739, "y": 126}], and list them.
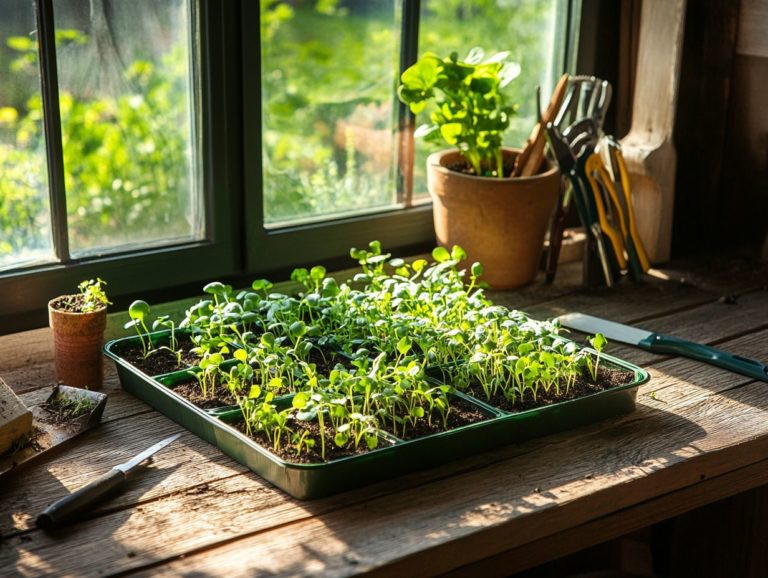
[
  {"x": 68, "y": 506},
  {"x": 667, "y": 344}
]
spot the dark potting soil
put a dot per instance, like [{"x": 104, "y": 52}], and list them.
[
  {"x": 70, "y": 303},
  {"x": 161, "y": 360},
  {"x": 466, "y": 168},
  {"x": 190, "y": 390},
  {"x": 325, "y": 360},
  {"x": 311, "y": 455},
  {"x": 62, "y": 410},
  {"x": 462, "y": 413},
  {"x": 607, "y": 378},
  {"x": 28, "y": 440}
]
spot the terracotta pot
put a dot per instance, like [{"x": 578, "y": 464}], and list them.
[
  {"x": 77, "y": 341},
  {"x": 499, "y": 222}
]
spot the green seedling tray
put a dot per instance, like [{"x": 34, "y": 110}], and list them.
[{"x": 308, "y": 481}]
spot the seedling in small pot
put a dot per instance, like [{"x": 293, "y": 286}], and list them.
[{"x": 93, "y": 296}]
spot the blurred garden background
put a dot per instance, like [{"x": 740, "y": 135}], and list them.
[{"x": 128, "y": 78}]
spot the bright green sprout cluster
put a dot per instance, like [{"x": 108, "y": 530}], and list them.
[{"x": 383, "y": 352}]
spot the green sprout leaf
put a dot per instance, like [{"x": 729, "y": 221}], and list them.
[
  {"x": 138, "y": 310},
  {"x": 598, "y": 341},
  {"x": 300, "y": 400},
  {"x": 441, "y": 254}
]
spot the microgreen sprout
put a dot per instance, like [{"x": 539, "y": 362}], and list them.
[
  {"x": 598, "y": 342},
  {"x": 92, "y": 295},
  {"x": 138, "y": 312},
  {"x": 413, "y": 333}
]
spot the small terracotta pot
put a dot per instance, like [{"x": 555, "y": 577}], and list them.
[
  {"x": 499, "y": 222},
  {"x": 77, "y": 341}
]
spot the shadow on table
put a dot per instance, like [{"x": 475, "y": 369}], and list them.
[
  {"x": 27, "y": 551},
  {"x": 406, "y": 518}
]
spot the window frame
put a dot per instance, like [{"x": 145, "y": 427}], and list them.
[
  {"x": 237, "y": 245},
  {"x": 27, "y": 290}
]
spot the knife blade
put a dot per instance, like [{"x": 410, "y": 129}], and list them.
[
  {"x": 69, "y": 506},
  {"x": 660, "y": 343}
]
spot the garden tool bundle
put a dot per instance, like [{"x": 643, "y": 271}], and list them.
[{"x": 597, "y": 184}]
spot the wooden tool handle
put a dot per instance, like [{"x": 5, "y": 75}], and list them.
[{"x": 529, "y": 161}]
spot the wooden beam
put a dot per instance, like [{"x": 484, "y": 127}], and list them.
[{"x": 648, "y": 148}]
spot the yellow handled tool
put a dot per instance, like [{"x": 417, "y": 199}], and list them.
[
  {"x": 599, "y": 177},
  {"x": 621, "y": 176}
]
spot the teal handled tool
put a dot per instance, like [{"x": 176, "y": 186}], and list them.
[{"x": 659, "y": 343}]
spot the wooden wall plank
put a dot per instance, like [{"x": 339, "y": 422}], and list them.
[
  {"x": 648, "y": 148},
  {"x": 701, "y": 124},
  {"x": 753, "y": 22}
]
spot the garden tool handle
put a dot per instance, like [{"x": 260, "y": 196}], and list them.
[
  {"x": 70, "y": 506},
  {"x": 602, "y": 253},
  {"x": 623, "y": 178},
  {"x": 595, "y": 164},
  {"x": 529, "y": 161},
  {"x": 556, "y": 231},
  {"x": 659, "y": 343}
]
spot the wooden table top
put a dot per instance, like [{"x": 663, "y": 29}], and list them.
[{"x": 699, "y": 434}]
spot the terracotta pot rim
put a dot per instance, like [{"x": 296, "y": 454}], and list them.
[
  {"x": 53, "y": 309},
  {"x": 434, "y": 161}
]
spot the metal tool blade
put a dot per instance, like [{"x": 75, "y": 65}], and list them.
[
  {"x": 135, "y": 461},
  {"x": 611, "y": 329}
]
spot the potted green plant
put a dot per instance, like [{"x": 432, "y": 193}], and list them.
[
  {"x": 500, "y": 220},
  {"x": 78, "y": 322}
]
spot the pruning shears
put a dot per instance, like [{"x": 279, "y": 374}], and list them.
[{"x": 574, "y": 169}]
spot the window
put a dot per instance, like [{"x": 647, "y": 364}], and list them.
[
  {"x": 125, "y": 106},
  {"x": 157, "y": 143},
  {"x": 109, "y": 158},
  {"x": 339, "y": 165},
  {"x": 25, "y": 220}
]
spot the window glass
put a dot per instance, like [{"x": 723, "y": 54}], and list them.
[
  {"x": 25, "y": 226},
  {"x": 329, "y": 70},
  {"x": 127, "y": 100},
  {"x": 525, "y": 28}
]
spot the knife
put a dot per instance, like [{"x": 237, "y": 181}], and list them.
[
  {"x": 660, "y": 343},
  {"x": 69, "y": 506}
]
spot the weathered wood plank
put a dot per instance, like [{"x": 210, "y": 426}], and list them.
[
  {"x": 41, "y": 374},
  {"x": 649, "y": 147},
  {"x": 191, "y": 460},
  {"x": 507, "y": 504},
  {"x": 711, "y": 324},
  {"x": 689, "y": 284},
  {"x": 617, "y": 524},
  {"x": 521, "y": 474},
  {"x": 25, "y": 348}
]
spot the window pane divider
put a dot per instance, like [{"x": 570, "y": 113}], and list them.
[
  {"x": 409, "y": 53},
  {"x": 52, "y": 122}
]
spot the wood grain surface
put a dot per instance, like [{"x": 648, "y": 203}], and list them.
[{"x": 699, "y": 434}]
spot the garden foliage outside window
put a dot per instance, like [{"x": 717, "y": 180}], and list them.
[
  {"x": 125, "y": 84},
  {"x": 135, "y": 108},
  {"x": 329, "y": 71}
]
